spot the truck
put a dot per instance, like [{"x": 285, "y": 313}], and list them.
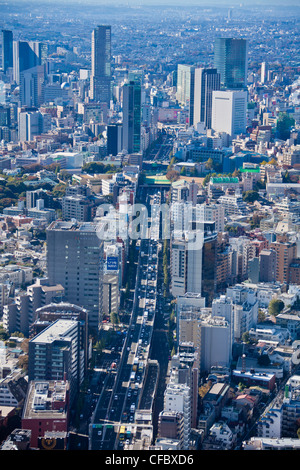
[{"x": 132, "y": 376}]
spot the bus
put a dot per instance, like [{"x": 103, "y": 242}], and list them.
[{"x": 122, "y": 433}]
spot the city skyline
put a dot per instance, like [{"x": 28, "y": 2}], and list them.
[{"x": 149, "y": 228}]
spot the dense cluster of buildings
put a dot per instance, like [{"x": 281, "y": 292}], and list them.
[{"x": 89, "y": 136}]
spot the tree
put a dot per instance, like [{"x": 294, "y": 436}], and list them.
[
  {"x": 250, "y": 196},
  {"x": 261, "y": 316},
  {"x": 275, "y": 306},
  {"x": 284, "y": 124},
  {"x": 209, "y": 164},
  {"x": 114, "y": 318},
  {"x": 172, "y": 175},
  {"x": 246, "y": 337}
]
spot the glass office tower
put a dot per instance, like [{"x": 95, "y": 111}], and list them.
[
  {"x": 7, "y": 50},
  {"x": 231, "y": 61},
  {"x": 132, "y": 117},
  {"x": 100, "y": 89}
]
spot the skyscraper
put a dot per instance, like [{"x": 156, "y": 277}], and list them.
[
  {"x": 114, "y": 139},
  {"x": 100, "y": 87},
  {"x": 185, "y": 88},
  {"x": 206, "y": 80},
  {"x": 7, "y": 50},
  {"x": 231, "y": 61},
  {"x": 32, "y": 86},
  {"x": 27, "y": 55},
  {"x": 132, "y": 117},
  {"x": 75, "y": 259}
]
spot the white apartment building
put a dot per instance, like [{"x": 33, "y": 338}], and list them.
[
  {"x": 216, "y": 342},
  {"x": 210, "y": 212},
  {"x": 245, "y": 309},
  {"x": 178, "y": 398},
  {"x": 233, "y": 204},
  {"x": 108, "y": 186}
]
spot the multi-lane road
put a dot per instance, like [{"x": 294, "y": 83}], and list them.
[{"x": 125, "y": 388}]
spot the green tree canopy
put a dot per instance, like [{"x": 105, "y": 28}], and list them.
[
  {"x": 284, "y": 124},
  {"x": 275, "y": 306},
  {"x": 250, "y": 196}
]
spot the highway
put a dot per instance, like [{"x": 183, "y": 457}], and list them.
[{"x": 123, "y": 388}]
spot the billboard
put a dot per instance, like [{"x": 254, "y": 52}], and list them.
[{"x": 112, "y": 263}]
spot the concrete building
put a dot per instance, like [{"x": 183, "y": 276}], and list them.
[
  {"x": 267, "y": 266},
  {"x": 19, "y": 314},
  {"x": 184, "y": 191},
  {"x": 229, "y": 111},
  {"x": 170, "y": 426},
  {"x": 194, "y": 269},
  {"x": 206, "y": 80},
  {"x": 75, "y": 260},
  {"x": 46, "y": 409},
  {"x": 58, "y": 353},
  {"x": 32, "y": 86},
  {"x": 286, "y": 252},
  {"x": 245, "y": 308},
  {"x": 177, "y": 398},
  {"x": 233, "y": 204},
  {"x": 185, "y": 88}
]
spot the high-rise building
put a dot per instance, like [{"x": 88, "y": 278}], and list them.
[
  {"x": 267, "y": 266},
  {"x": 100, "y": 85},
  {"x": 27, "y": 55},
  {"x": 206, "y": 80},
  {"x": 57, "y": 353},
  {"x": 132, "y": 112},
  {"x": 193, "y": 268},
  {"x": 114, "y": 139},
  {"x": 286, "y": 252},
  {"x": 264, "y": 72},
  {"x": 31, "y": 123},
  {"x": 231, "y": 61},
  {"x": 7, "y": 50},
  {"x": 75, "y": 260},
  {"x": 185, "y": 88},
  {"x": 229, "y": 112},
  {"x": 177, "y": 398},
  {"x": 32, "y": 86}
]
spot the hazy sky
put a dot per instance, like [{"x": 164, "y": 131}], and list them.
[{"x": 229, "y": 3}]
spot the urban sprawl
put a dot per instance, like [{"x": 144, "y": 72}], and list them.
[{"x": 149, "y": 227}]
